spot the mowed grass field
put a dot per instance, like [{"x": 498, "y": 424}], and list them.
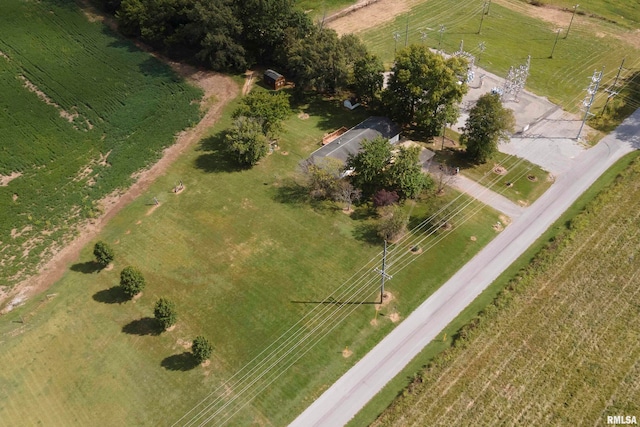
[
  {"x": 81, "y": 111},
  {"x": 560, "y": 346},
  {"x": 245, "y": 256},
  {"x": 591, "y": 45}
]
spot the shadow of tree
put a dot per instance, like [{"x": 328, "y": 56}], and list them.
[
  {"x": 367, "y": 232},
  {"x": 216, "y": 158},
  {"x": 113, "y": 295},
  {"x": 88, "y": 267},
  {"x": 144, "y": 326},
  {"x": 291, "y": 192},
  {"x": 179, "y": 362},
  {"x": 154, "y": 67}
]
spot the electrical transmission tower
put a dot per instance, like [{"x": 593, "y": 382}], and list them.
[
  {"x": 611, "y": 90},
  {"x": 470, "y": 59},
  {"x": 591, "y": 94},
  {"x": 516, "y": 81}
]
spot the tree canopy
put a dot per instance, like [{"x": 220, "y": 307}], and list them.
[
  {"x": 270, "y": 109},
  {"x": 165, "y": 312},
  {"x": 132, "y": 281},
  {"x": 370, "y": 165},
  {"x": 103, "y": 253},
  {"x": 368, "y": 78},
  {"x": 245, "y": 141},
  {"x": 405, "y": 174},
  {"x": 425, "y": 89},
  {"x": 489, "y": 123},
  {"x": 201, "y": 348}
]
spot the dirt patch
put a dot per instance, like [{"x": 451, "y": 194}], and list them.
[
  {"x": 170, "y": 328},
  {"x": 14, "y": 197},
  {"x": 250, "y": 76},
  {"x": 370, "y": 16},
  {"x": 15, "y": 233},
  {"x": 303, "y": 116},
  {"x": 498, "y": 227},
  {"x": 184, "y": 344},
  {"x": 505, "y": 220},
  {"x": 110, "y": 266},
  {"x": 386, "y": 299},
  {"x": 6, "y": 179},
  {"x": 523, "y": 203},
  {"x": 4, "y": 55},
  {"x": 152, "y": 209},
  {"x": 473, "y": 238},
  {"x": 532, "y": 178},
  {"x": 284, "y": 153},
  {"x": 347, "y": 353},
  {"x": 224, "y": 89},
  {"x": 205, "y": 363},
  {"x": 394, "y": 317},
  {"x": 416, "y": 250},
  {"x": 551, "y": 178},
  {"x": 499, "y": 170},
  {"x": 127, "y": 232},
  {"x": 447, "y": 226}
]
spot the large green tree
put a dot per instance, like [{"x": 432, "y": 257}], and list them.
[
  {"x": 405, "y": 174},
  {"x": 425, "y": 89},
  {"x": 370, "y": 165},
  {"x": 270, "y": 109},
  {"x": 245, "y": 141},
  {"x": 489, "y": 123},
  {"x": 368, "y": 78}
]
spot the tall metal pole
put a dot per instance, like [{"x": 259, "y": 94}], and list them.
[
  {"x": 488, "y": 7},
  {"x": 571, "y": 22},
  {"x": 482, "y": 17},
  {"x": 555, "y": 42},
  {"x": 592, "y": 90},
  {"x": 396, "y": 36},
  {"x": 482, "y": 47},
  {"x": 441, "y": 31}
]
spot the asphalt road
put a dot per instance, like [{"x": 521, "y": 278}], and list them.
[{"x": 337, "y": 405}]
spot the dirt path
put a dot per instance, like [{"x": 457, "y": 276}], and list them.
[
  {"x": 371, "y": 15},
  {"x": 218, "y": 90}
]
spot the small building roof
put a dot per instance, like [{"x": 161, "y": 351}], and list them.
[
  {"x": 349, "y": 142},
  {"x": 274, "y": 75}
]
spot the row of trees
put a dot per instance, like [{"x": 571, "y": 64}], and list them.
[{"x": 132, "y": 282}]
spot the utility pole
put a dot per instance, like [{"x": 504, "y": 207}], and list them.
[
  {"x": 484, "y": 6},
  {"x": 406, "y": 32},
  {"x": 396, "y": 37},
  {"x": 555, "y": 42},
  {"x": 383, "y": 272},
  {"x": 611, "y": 90},
  {"x": 571, "y": 22},
  {"x": 591, "y": 94},
  {"x": 488, "y": 6},
  {"x": 441, "y": 31}
]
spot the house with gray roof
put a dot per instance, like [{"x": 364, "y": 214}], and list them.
[{"x": 349, "y": 142}]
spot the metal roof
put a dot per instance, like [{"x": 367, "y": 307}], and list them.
[
  {"x": 274, "y": 75},
  {"x": 349, "y": 142}
]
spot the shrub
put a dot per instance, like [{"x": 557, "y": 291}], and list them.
[
  {"x": 201, "y": 349},
  {"x": 132, "y": 281},
  {"x": 165, "y": 312},
  {"x": 103, "y": 253}
]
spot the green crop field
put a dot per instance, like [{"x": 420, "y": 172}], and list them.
[
  {"x": 244, "y": 255},
  {"x": 560, "y": 346},
  {"x": 591, "y": 45},
  {"x": 81, "y": 111}
]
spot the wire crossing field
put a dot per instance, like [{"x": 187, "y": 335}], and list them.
[
  {"x": 244, "y": 255},
  {"x": 592, "y": 43},
  {"x": 561, "y": 346},
  {"x": 81, "y": 110}
]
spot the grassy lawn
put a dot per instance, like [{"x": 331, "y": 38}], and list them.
[
  {"x": 528, "y": 181},
  {"x": 318, "y": 9},
  {"x": 562, "y": 79},
  {"x": 244, "y": 256},
  {"x": 561, "y": 345},
  {"x": 620, "y": 12},
  {"x": 82, "y": 110}
]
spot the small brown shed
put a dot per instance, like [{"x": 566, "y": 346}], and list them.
[{"x": 274, "y": 80}]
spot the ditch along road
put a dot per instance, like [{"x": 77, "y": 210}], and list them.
[{"x": 337, "y": 405}]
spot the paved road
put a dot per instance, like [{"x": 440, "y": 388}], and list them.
[{"x": 354, "y": 389}]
